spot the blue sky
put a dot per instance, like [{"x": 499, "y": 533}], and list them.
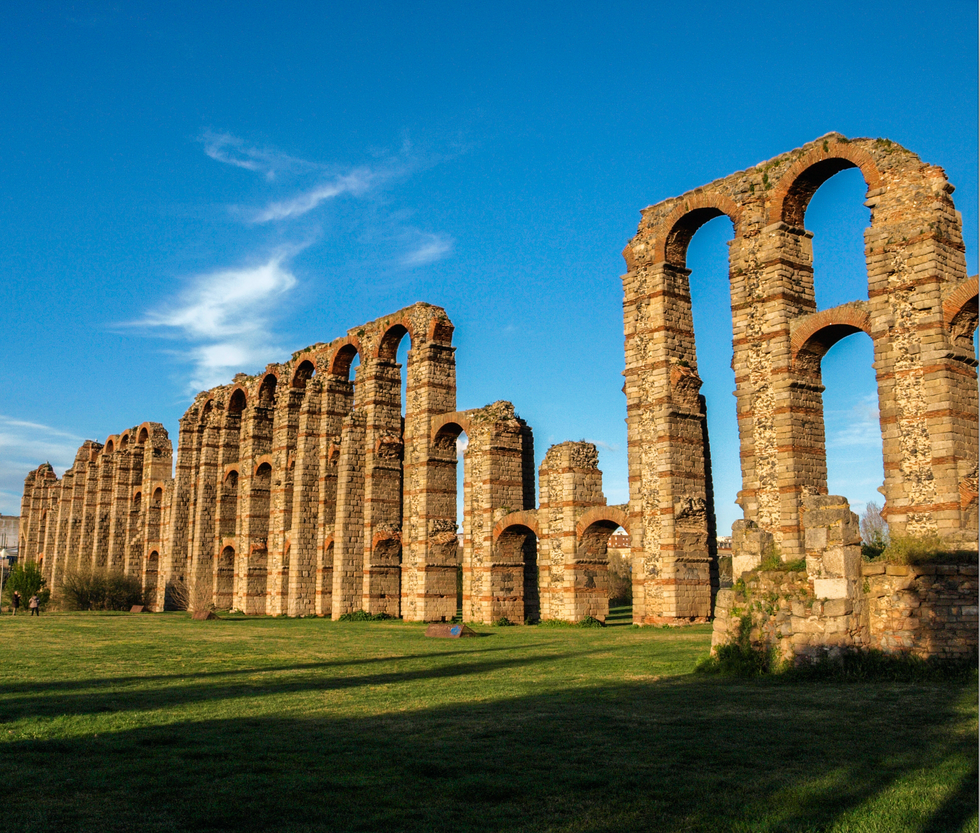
[{"x": 193, "y": 190}]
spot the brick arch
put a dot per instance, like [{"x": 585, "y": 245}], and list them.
[
  {"x": 395, "y": 330},
  {"x": 674, "y": 234},
  {"x": 612, "y": 514},
  {"x": 441, "y": 330},
  {"x": 231, "y": 399},
  {"x": 960, "y": 312},
  {"x": 144, "y": 432},
  {"x": 524, "y": 517},
  {"x": 797, "y": 186},
  {"x": 342, "y": 355},
  {"x": 304, "y": 367},
  {"x": 457, "y": 418},
  {"x": 231, "y": 467},
  {"x": 260, "y": 398},
  {"x": 817, "y": 333},
  {"x": 261, "y": 461},
  {"x": 109, "y": 446}
]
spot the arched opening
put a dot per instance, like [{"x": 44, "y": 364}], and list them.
[
  {"x": 267, "y": 391},
  {"x": 228, "y": 506},
  {"x": 711, "y": 317},
  {"x": 143, "y": 436},
  {"x": 515, "y": 579},
  {"x": 153, "y": 521},
  {"x": 591, "y": 571},
  {"x": 303, "y": 373},
  {"x": 837, "y": 217},
  {"x": 258, "y": 553},
  {"x": 136, "y": 540},
  {"x": 237, "y": 401},
  {"x": 152, "y": 576},
  {"x": 225, "y": 579},
  {"x": 847, "y": 425},
  {"x": 109, "y": 447},
  {"x": 620, "y": 577},
  {"x": 124, "y": 442},
  {"x": 452, "y": 546}
]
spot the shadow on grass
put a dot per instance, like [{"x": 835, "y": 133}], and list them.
[
  {"x": 89, "y": 684},
  {"x": 673, "y": 755},
  {"x": 253, "y": 683}
]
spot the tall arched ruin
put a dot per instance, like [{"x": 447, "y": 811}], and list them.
[{"x": 303, "y": 491}]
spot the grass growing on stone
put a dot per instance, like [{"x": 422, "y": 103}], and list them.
[{"x": 158, "y": 723}]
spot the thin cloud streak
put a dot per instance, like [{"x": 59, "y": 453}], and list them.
[
  {"x": 231, "y": 150},
  {"x": 429, "y": 249},
  {"x": 355, "y": 183}
]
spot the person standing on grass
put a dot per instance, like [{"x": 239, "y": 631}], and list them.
[
  {"x": 33, "y": 604},
  {"x": 16, "y": 601}
]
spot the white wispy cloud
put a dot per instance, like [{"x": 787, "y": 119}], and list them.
[
  {"x": 23, "y": 447},
  {"x": 231, "y": 150},
  {"x": 225, "y": 316},
  {"x": 355, "y": 183},
  {"x": 426, "y": 248}
]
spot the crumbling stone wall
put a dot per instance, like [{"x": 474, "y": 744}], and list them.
[
  {"x": 920, "y": 314},
  {"x": 838, "y": 601}
]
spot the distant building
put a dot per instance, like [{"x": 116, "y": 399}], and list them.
[{"x": 9, "y": 525}]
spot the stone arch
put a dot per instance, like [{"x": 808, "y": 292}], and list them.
[
  {"x": 525, "y": 517},
  {"x": 514, "y": 588},
  {"x": 676, "y": 231},
  {"x": 124, "y": 441},
  {"x": 341, "y": 359},
  {"x": 797, "y": 186},
  {"x": 267, "y": 390},
  {"x": 815, "y": 334},
  {"x": 611, "y": 514},
  {"x": 224, "y": 579},
  {"x": 206, "y": 411},
  {"x": 238, "y": 400},
  {"x": 109, "y": 446},
  {"x": 387, "y": 349},
  {"x": 960, "y": 313},
  {"x": 152, "y": 578},
  {"x": 451, "y": 425},
  {"x": 305, "y": 368},
  {"x": 143, "y": 435}
]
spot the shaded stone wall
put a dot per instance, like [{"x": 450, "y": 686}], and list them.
[
  {"x": 838, "y": 601},
  {"x": 920, "y": 314}
]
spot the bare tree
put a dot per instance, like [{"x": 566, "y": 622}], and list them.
[{"x": 874, "y": 530}]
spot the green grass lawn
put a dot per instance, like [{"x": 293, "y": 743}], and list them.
[{"x": 156, "y": 723}]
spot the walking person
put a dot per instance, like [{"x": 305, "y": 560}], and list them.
[
  {"x": 16, "y": 601},
  {"x": 34, "y": 604}
]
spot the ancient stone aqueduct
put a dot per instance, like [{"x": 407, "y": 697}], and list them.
[{"x": 302, "y": 491}]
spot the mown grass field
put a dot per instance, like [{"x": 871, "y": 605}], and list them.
[{"x": 159, "y": 723}]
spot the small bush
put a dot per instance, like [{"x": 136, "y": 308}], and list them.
[
  {"x": 364, "y": 616},
  {"x": 555, "y": 623},
  {"x": 740, "y": 658},
  {"x": 26, "y": 579},
  {"x": 590, "y": 622},
  {"x": 925, "y": 549},
  {"x": 502, "y": 622},
  {"x": 96, "y": 589}
]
